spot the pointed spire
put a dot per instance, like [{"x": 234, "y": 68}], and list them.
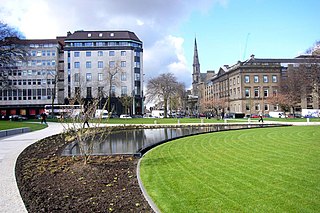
[{"x": 195, "y": 54}]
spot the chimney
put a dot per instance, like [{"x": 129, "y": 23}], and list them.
[{"x": 252, "y": 56}]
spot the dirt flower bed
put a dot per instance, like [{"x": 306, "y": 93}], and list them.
[{"x": 52, "y": 183}]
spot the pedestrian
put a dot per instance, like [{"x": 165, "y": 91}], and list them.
[
  {"x": 43, "y": 118},
  {"x": 86, "y": 119},
  {"x": 260, "y": 117}
]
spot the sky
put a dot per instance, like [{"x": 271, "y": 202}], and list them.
[{"x": 226, "y": 30}]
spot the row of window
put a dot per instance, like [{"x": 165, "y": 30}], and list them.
[
  {"x": 256, "y": 92},
  {"x": 42, "y": 53},
  {"x": 31, "y": 72},
  {"x": 103, "y": 44},
  {"x": 101, "y": 77},
  {"x": 100, "y": 64},
  {"x": 99, "y": 53},
  {"x": 26, "y": 94},
  {"x": 101, "y": 92},
  {"x": 36, "y": 63},
  {"x": 256, "y": 79},
  {"x": 29, "y": 82},
  {"x": 41, "y": 45}
]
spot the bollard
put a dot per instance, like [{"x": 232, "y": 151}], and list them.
[
  {"x": 178, "y": 121},
  {"x": 202, "y": 120},
  {"x": 308, "y": 120},
  {"x": 155, "y": 121},
  {"x": 225, "y": 120},
  {"x": 249, "y": 120}
]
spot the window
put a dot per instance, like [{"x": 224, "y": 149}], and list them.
[
  {"x": 112, "y": 64},
  {"x": 89, "y": 76},
  {"x": 100, "y": 53},
  {"x": 238, "y": 79},
  {"x": 100, "y": 64},
  {"x": 265, "y": 92},
  {"x": 247, "y": 92},
  {"x": 256, "y": 92},
  {"x": 111, "y": 53},
  {"x": 44, "y": 53},
  {"x": 247, "y": 107},
  {"x": 113, "y": 90},
  {"x": 265, "y": 79},
  {"x": 274, "y": 92},
  {"x": 88, "y": 53},
  {"x": 137, "y": 54},
  {"x": 266, "y": 107},
  {"x": 89, "y": 92},
  {"x": 137, "y": 64},
  {"x": 256, "y": 79},
  {"x": 88, "y": 64},
  {"x": 123, "y": 76},
  {"x": 123, "y": 64},
  {"x": 274, "y": 79},
  {"x": 100, "y": 91},
  {"x": 76, "y": 54},
  {"x": 257, "y": 107},
  {"x": 77, "y": 91},
  {"x": 124, "y": 90},
  {"x": 100, "y": 76},
  {"x": 76, "y": 64},
  {"x": 246, "y": 79},
  {"x": 137, "y": 76},
  {"x": 123, "y": 53},
  {"x": 77, "y": 77}
]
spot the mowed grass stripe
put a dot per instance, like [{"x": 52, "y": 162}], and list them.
[{"x": 247, "y": 170}]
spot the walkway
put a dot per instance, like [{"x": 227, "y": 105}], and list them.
[{"x": 10, "y": 148}]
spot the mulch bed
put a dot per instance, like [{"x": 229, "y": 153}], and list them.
[{"x": 49, "y": 182}]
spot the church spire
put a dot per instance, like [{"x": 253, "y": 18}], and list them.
[
  {"x": 196, "y": 58},
  {"x": 196, "y": 70}
]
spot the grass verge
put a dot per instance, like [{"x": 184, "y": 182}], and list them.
[
  {"x": 17, "y": 124},
  {"x": 256, "y": 170}
]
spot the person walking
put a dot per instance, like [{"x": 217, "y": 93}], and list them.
[
  {"x": 43, "y": 118},
  {"x": 86, "y": 119},
  {"x": 260, "y": 117}
]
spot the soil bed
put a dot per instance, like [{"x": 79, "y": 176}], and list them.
[{"x": 51, "y": 183}]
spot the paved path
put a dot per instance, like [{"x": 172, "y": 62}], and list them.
[{"x": 10, "y": 148}]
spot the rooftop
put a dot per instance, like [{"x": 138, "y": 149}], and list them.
[{"x": 102, "y": 35}]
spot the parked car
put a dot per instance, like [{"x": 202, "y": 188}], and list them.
[
  {"x": 137, "y": 116},
  {"x": 125, "y": 116},
  {"x": 18, "y": 118}
]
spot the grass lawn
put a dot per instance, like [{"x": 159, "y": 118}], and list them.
[
  {"x": 17, "y": 124},
  {"x": 255, "y": 170},
  {"x": 166, "y": 120}
]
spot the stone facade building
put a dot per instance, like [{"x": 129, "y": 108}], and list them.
[
  {"x": 245, "y": 87},
  {"x": 81, "y": 62},
  {"x": 32, "y": 82}
]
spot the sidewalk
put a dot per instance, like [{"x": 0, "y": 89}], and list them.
[{"x": 10, "y": 148}]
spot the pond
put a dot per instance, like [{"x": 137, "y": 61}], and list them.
[{"x": 138, "y": 141}]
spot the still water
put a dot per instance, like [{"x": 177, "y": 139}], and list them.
[{"x": 137, "y": 141}]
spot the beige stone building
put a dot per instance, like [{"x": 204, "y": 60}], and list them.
[{"x": 245, "y": 87}]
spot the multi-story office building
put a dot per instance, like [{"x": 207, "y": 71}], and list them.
[
  {"x": 102, "y": 64},
  {"x": 247, "y": 86},
  {"x": 31, "y": 83},
  {"x": 92, "y": 64}
]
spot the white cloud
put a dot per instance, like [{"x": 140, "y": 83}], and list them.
[{"x": 155, "y": 22}]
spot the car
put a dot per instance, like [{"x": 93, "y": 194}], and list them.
[
  {"x": 137, "y": 116},
  {"x": 18, "y": 118},
  {"x": 125, "y": 116}
]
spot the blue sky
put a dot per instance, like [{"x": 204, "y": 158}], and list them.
[{"x": 272, "y": 28}]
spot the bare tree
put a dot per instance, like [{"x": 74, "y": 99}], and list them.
[
  {"x": 73, "y": 122},
  {"x": 112, "y": 72},
  {"x": 126, "y": 102},
  {"x": 161, "y": 88},
  {"x": 282, "y": 100},
  {"x": 214, "y": 105},
  {"x": 12, "y": 52}
]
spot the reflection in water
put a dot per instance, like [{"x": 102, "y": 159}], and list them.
[{"x": 133, "y": 140}]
